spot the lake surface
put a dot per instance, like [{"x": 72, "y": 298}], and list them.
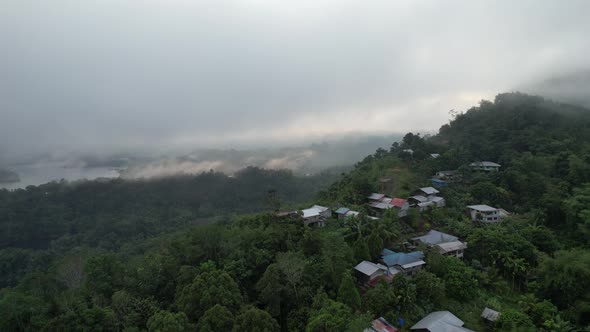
[{"x": 40, "y": 173}]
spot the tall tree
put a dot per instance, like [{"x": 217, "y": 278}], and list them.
[
  {"x": 347, "y": 293},
  {"x": 207, "y": 290},
  {"x": 252, "y": 319},
  {"x": 217, "y": 318},
  {"x": 166, "y": 321}
]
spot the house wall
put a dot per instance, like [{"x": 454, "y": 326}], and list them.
[
  {"x": 485, "y": 168},
  {"x": 411, "y": 271},
  {"x": 314, "y": 221},
  {"x": 454, "y": 253},
  {"x": 485, "y": 216}
]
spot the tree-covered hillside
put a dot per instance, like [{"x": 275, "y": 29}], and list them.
[{"x": 98, "y": 268}]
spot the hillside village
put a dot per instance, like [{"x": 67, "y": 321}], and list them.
[
  {"x": 482, "y": 227},
  {"x": 392, "y": 263}
]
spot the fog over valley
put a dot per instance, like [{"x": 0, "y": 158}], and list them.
[
  {"x": 304, "y": 160},
  {"x": 258, "y": 82}
]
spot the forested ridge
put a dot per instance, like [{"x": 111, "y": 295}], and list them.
[{"x": 133, "y": 256}]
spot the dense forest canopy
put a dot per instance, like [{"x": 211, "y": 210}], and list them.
[{"x": 133, "y": 256}]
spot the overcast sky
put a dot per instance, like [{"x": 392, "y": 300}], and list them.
[{"x": 106, "y": 75}]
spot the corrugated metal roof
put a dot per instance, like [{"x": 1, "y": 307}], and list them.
[
  {"x": 420, "y": 198},
  {"x": 451, "y": 246},
  {"x": 313, "y": 211},
  {"x": 435, "y": 237},
  {"x": 484, "y": 164},
  {"x": 380, "y": 205},
  {"x": 368, "y": 268},
  {"x": 410, "y": 265},
  {"x": 342, "y": 210},
  {"x": 482, "y": 208},
  {"x": 398, "y": 202},
  {"x": 321, "y": 208},
  {"x": 392, "y": 258},
  {"x": 381, "y": 325},
  {"x": 376, "y": 196},
  {"x": 429, "y": 190},
  {"x": 440, "y": 321},
  {"x": 352, "y": 213}
]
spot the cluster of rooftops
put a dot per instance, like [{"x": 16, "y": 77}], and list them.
[
  {"x": 392, "y": 263},
  {"x": 437, "y": 321},
  {"x": 422, "y": 199}
]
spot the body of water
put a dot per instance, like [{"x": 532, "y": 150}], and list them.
[{"x": 40, "y": 173}]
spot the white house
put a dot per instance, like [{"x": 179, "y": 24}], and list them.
[
  {"x": 454, "y": 248},
  {"x": 316, "y": 215},
  {"x": 487, "y": 166},
  {"x": 445, "y": 244},
  {"x": 484, "y": 213},
  {"x": 438, "y": 201}
]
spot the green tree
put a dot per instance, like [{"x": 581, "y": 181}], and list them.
[
  {"x": 347, "y": 293},
  {"x": 94, "y": 319},
  {"x": 460, "y": 280},
  {"x": 270, "y": 289},
  {"x": 207, "y": 290},
  {"x": 566, "y": 277},
  {"x": 131, "y": 311},
  {"x": 430, "y": 288},
  {"x": 166, "y": 321},
  {"x": 380, "y": 299},
  {"x": 577, "y": 209},
  {"x": 292, "y": 265},
  {"x": 331, "y": 317},
  {"x": 218, "y": 318},
  {"x": 251, "y": 319},
  {"x": 336, "y": 258},
  {"x": 514, "y": 320},
  {"x": 375, "y": 244},
  {"x": 104, "y": 275},
  {"x": 21, "y": 312},
  {"x": 361, "y": 250}
]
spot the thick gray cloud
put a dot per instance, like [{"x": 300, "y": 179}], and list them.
[{"x": 118, "y": 75}]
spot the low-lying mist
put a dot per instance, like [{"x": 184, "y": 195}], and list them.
[{"x": 302, "y": 160}]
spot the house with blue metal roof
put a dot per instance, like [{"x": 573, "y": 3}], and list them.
[
  {"x": 438, "y": 183},
  {"x": 407, "y": 263}
]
